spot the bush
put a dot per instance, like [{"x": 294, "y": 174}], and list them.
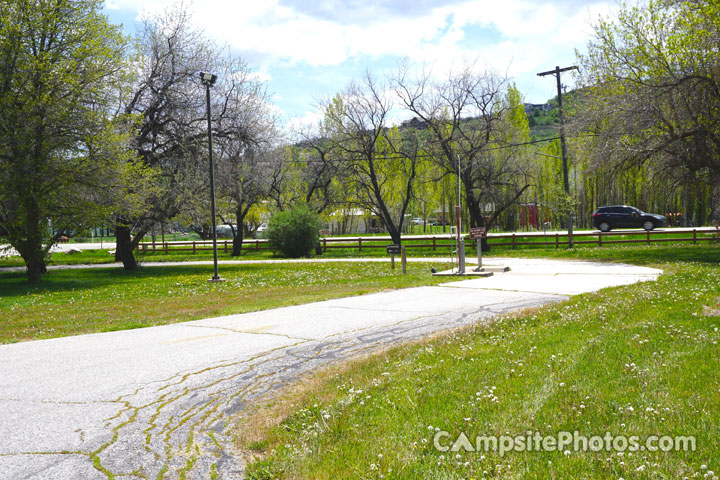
[{"x": 294, "y": 232}]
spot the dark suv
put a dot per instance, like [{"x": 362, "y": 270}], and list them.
[{"x": 623, "y": 216}]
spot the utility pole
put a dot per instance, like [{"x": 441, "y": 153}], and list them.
[{"x": 563, "y": 148}]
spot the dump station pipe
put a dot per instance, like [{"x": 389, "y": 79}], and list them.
[{"x": 460, "y": 249}]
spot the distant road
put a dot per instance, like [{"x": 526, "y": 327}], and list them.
[{"x": 7, "y": 251}]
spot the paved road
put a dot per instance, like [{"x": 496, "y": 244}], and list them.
[
  {"x": 7, "y": 251},
  {"x": 140, "y": 402}
]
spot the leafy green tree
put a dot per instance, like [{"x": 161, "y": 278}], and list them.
[
  {"x": 652, "y": 92},
  {"x": 310, "y": 172},
  {"x": 63, "y": 152},
  {"x": 427, "y": 197},
  {"x": 509, "y": 162},
  {"x": 294, "y": 232}
]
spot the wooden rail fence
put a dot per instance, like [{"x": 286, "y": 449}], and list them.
[{"x": 513, "y": 240}]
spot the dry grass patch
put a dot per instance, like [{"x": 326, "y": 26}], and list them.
[{"x": 712, "y": 311}]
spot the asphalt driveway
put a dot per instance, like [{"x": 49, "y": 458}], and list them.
[{"x": 138, "y": 403}]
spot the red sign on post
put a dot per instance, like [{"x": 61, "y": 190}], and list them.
[{"x": 478, "y": 232}]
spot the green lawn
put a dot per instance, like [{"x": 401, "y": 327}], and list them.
[
  {"x": 655, "y": 254},
  {"x": 637, "y": 360},
  {"x": 441, "y": 250},
  {"x": 69, "y": 302}
]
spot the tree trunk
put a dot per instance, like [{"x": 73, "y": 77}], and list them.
[
  {"x": 35, "y": 268},
  {"x": 238, "y": 238},
  {"x": 238, "y": 230},
  {"x": 477, "y": 219},
  {"x": 476, "y": 216},
  {"x": 124, "y": 249},
  {"x": 31, "y": 248},
  {"x": 715, "y": 200},
  {"x": 395, "y": 233},
  {"x": 138, "y": 238}
]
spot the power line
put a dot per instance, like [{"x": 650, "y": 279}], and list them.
[{"x": 425, "y": 155}]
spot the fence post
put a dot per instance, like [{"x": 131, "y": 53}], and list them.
[
  {"x": 600, "y": 238},
  {"x": 513, "y": 241},
  {"x": 648, "y": 238},
  {"x": 694, "y": 236},
  {"x": 257, "y": 245},
  {"x": 434, "y": 245},
  {"x": 225, "y": 249},
  {"x": 166, "y": 247},
  {"x": 153, "y": 243},
  {"x": 193, "y": 247},
  {"x": 325, "y": 245},
  {"x": 557, "y": 240},
  {"x": 359, "y": 244}
]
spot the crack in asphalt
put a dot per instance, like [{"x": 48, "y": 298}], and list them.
[
  {"x": 249, "y": 332},
  {"x": 56, "y": 402},
  {"x": 183, "y": 426}
]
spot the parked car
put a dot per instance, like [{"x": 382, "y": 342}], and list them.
[
  {"x": 418, "y": 221},
  {"x": 624, "y": 216},
  {"x": 261, "y": 230}
]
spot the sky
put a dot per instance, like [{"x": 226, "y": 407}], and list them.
[{"x": 309, "y": 50}]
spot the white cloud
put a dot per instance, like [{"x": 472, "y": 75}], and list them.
[
  {"x": 308, "y": 123},
  {"x": 284, "y": 34},
  {"x": 261, "y": 76},
  {"x": 517, "y": 37}
]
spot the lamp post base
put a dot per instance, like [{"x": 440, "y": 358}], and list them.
[{"x": 216, "y": 279}]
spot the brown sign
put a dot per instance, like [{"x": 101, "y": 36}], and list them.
[
  {"x": 478, "y": 232},
  {"x": 393, "y": 249}
]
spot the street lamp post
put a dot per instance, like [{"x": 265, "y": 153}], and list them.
[
  {"x": 563, "y": 148},
  {"x": 208, "y": 79}
]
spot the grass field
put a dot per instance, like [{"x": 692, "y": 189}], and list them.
[
  {"x": 638, "y": 360},
  {"x": 75, "y": 301},
  {"x": 376, "y": 250}
]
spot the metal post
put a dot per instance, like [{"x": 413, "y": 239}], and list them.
[
  {"x": 461, "y": 257},
  {"x": 403, "y": 259},
  {"x": 208, "y": 82},
  {"x": 458, "y": 212},
  {"x": 459, "y": 240}
]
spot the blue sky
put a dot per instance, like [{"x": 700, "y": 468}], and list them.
[{"x": 307, "y": 50}]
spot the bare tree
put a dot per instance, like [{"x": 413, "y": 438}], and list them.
[
  {"x": 382, "y": 162},
  {"x": 464, "y": 118},
  {"x": 244, "y": 180},
  {"x": 169, "y": 102}
]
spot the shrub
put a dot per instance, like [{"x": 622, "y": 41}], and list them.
[{"x": 294, "y": 232}]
